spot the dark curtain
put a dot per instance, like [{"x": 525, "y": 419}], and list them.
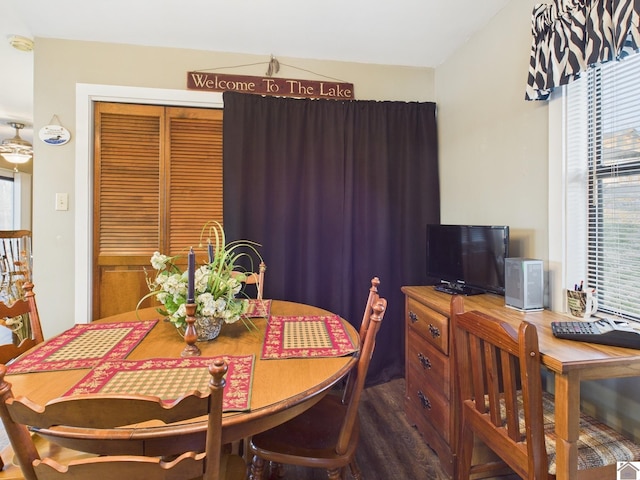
[
  {"x": 569, "y": 36},
  {"x": 336, "y": 192}
]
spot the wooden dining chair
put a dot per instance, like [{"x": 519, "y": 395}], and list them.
[
  {"x": 23, "y": 310},
  {"x": 364, "y": 325},
  {"x": 257, "y": 279},
  {"x": 98, "y": 412},
  {"x": 502, "y": 404},
  {"x": 327, "y": 434},
  {"x": 15, "y": 261}
]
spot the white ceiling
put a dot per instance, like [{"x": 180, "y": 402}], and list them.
[{"x": 419, "y": 33}]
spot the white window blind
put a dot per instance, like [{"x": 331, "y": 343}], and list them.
[
  {"x": 6, "y": 202},
  {"x": 603, "y": 184}
]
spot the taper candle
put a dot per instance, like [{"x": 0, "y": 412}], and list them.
[{"x": 191, "y": 277}]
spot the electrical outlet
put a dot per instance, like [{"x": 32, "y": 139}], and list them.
[{"x": 62, "y": 201}]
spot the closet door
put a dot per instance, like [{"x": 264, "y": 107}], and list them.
[{"x": 157, "y": 180}]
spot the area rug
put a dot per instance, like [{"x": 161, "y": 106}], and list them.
[
  {"x": 306, "y": 336},
  {"x": 84, "y": 346},
  {"x": 170, "y": 378}
]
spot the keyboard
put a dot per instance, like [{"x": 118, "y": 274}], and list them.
[{"x": 604, "y": 331}]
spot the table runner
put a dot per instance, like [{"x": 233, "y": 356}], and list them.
[
  {"x": 84, "y": 346},
  {"x": 306, "y": 336},
  {"x": 258, "y": 308},
  {"x": 170, "y": 378}
]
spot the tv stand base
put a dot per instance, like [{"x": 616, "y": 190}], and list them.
[{"x": 453, "y": 289}]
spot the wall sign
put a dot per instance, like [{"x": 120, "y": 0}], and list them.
[
  {"x": 54, "y": 134},
  {"x": 283, "y": 87}
]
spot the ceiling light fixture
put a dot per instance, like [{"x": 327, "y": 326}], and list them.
[
  {"x": 21, "y": 43},
  {"x": 16, "y": 150}
]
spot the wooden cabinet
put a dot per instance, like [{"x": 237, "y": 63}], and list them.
[
  {"x": 430, "y": 382},
  {"x": 429, "y": 391}
]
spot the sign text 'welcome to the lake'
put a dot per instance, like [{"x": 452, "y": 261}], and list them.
[{"x": 269, "y": 86}]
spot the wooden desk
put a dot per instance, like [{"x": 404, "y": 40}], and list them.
[
  {"x": 281, "y": 389},
  {"x": 570, "y": 361}
]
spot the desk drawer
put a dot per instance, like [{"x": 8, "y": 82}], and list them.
[
  {"x": 425, "y": 404},
  {"x": 429, "y": 363},
  {"x": 429, "y": 323}
]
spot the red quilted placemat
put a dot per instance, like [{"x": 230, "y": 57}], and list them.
[
  {"x": 306, "y": 336},
  {"x": 258, "y": 308},
  {"x": 170, "y": 378},
  {"x": 84, "y": 346}
]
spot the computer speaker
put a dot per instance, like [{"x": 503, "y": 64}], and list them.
[{"x": 524, "y": 284}]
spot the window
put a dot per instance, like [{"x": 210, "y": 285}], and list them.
[
  {"x": 603, "y": 184},
  {"x": 15, "y": 200},
  {"x": 6, "y": 202}
]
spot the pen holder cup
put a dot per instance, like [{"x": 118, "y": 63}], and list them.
[{"x": 581, "y": 303}]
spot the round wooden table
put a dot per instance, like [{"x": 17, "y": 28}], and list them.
[{"x": 281, "y": 389}]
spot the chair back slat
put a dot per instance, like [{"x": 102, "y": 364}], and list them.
[
  {"x": 107, "y": 411},
  {"x": 492, "y": 371},
  {"x": 510, "y": 379}
]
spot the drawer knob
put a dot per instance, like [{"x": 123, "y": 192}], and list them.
[
  {"x": 435, "y": 331},
  {"x": 413, "y": 317},
  {"x": 424, "y": 361},
  {"x": 424, "y": 400}
]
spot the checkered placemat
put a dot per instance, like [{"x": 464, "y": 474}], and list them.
[
  {"x": 306, "y": 336},
  {"x": 84, "y": 346},
  {"x": 170, "y": 378},
  {"x": 258, "y": 308}
]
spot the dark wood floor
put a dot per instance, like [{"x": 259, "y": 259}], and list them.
[{"x": 390, "y": 448}]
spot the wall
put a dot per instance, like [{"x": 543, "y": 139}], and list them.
[
  {"x": 493, "y": 144},
  {"x": 60, "y": 65}
]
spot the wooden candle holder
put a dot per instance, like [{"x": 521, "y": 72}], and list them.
[{"x": 191, "y": 334}]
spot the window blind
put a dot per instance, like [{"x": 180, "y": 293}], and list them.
[{"x": 603, "y": 183}]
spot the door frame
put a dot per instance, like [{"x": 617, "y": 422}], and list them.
[{"x": 86, "y": 95}]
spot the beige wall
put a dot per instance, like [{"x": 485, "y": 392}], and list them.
[{"x": 493, "y": 144}]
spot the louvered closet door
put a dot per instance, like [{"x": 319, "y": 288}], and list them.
[
  {"x": 194, "y": 180},
  {"x": 158, "y": 179}
]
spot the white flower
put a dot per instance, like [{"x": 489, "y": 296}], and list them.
[
  {"x": 201, "y": 278},
  {"x": 181, "y": 312},
  {"x": 175, "y": 284},
  {"x": 159, "y": 261}
]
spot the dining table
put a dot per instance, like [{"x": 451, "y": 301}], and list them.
[{"x": 280, "y": 386}]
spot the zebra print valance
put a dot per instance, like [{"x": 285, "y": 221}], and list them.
[{"x": 571, "y": 35}]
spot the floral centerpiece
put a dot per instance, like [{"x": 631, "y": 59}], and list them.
[{"x": 218, "y": 283}]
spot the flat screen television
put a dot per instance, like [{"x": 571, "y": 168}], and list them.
[{"x": 467, "y": 259}]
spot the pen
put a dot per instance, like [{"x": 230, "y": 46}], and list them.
[{"x": 581, "y": 283}]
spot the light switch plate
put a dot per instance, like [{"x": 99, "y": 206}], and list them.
[{"x": 62, "y": 201}]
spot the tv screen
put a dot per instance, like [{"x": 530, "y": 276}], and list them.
[{"x": 468, "y": 259}]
